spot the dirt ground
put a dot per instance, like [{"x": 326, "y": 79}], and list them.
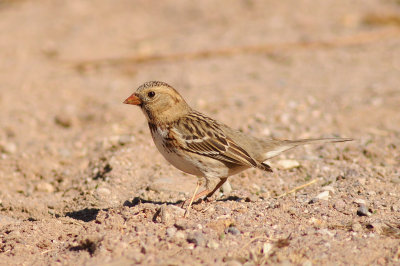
[{"x": 81, "y": 182}]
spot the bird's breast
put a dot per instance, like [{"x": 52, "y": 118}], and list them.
[{"x": 167, "y": 147}]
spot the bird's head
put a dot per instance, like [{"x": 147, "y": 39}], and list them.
[{"x": 159, "y": 102}]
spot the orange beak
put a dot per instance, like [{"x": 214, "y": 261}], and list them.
[{"x": 133, "y": 99}]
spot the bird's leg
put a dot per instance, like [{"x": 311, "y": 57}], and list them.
[
  {"x": 223, "y": 180},
  {"x": 199, "y": 195},
  {"x": 196, "y": 196},
  {"x": 205, "y": 192},
  {"x": 192, "y": 199}
]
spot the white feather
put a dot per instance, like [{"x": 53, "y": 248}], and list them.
[{"x": 276, "y": 152}]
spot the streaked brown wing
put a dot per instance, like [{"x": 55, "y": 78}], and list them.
[{"x": 204, "y": 136}]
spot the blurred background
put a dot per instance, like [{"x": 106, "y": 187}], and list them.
[{"x": 285, "y": 69}]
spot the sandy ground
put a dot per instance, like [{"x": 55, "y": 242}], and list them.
[{"x": 81, "y": 182}]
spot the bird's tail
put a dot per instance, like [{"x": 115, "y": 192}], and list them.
[{"x": 276, "y": 147}]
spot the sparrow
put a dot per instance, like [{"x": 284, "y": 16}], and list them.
[{"x": 199, "y": 145}]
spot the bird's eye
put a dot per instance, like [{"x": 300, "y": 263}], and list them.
[{"x": 151, "y": 94}]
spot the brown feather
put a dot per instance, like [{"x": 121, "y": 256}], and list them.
[{"x": 217, "y": 146}]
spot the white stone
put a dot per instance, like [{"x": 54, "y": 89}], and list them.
[
  {"x": 180, "y": 235},
  {"x": 8, "y": 147},
  {"x": 287, "y": 164},
  {"x": 212, "y": 244},
  {"x": 323, "y": 195},
  {"x": 171, "y": 231},
  {"x": 329, "y": 188},
  {"x": 326, "y": 232},
  {"x": 226, "y": 188},
  {"x": 103, "y": 191},
  {"x": 266, "y": 132},
  {"x": 267, "y": 248},
  {"x": 360, "y": 201},
  {"x": 45, "y": 187}
]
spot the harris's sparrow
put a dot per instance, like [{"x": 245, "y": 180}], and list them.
[{"x": 199, "y": 145}]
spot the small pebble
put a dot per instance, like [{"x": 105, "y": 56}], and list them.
[
  {"x": 212, "y": 244},
  {"x": 6, "y": 220},
  {"x": 356, "y": 227},
  {"x": 266, "y": 132},
  {"x": 302, "y": 198},
  {"x": 395, "y": 208},
  {"x": 103, "y": 192},
  {"x": 223, "y": 210},
  {"x": 378, "y": 227},
  {"x": 339, "y": 205},
  {"x": 180, "y": 235},
  {"x": 234, "y": 263},
  {"x": 181, "y": 224},
  {"x": 210, "y": 209},
  {"x": 113, "y": 140},
  {"x": 64, "y": 152},
  {"x": 362, "y": 181},
  {"x": 292, "y": 210},
  {"x": 63, "y": 120},
  {"x": 377, "y": 204},
  {"x": 256, "y": 187},
  {"x": 267, "y": 247},
  {"x": 232, "y": 230},
  {"x": 329, "y": 188},
  {"x": 287, "y": 164},
  {"x": 381, "y": 261},
  {"x": 169, "y": 213},
  {"x": 321, "y": 196},
  {"x": 196, "y": 238},
  {"x": 360, "y": 201},
  {"x": 274, "y": 204},
  {"x": 316, "y": 222},
  {"x": 123, "y": 140},
  {"x": 307, "y": 263},
  {"x": 326, "y": 232},
  {"x": 226, "y": 188},
  {"x": 395, "y": 180},
  {"x": 45, "y": 187},
  {"x": 171, "y": 231},
  {"x": 8, "y": 147},
  {"x": 363, "y": 211},
  {"x": 252, "y": 198}
]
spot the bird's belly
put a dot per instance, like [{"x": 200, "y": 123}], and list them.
[
  {"x": 177, "y": 158},
  {"x": 191, "y": 163},
  {"x": 237, "y": 169}
]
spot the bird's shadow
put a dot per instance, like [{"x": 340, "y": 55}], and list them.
[
  {"x": 138, "y": 200},
  {"x": 90, "y": 214},
  {"x": 85, "y": 215},
  {"x": 231, "y": 198}
]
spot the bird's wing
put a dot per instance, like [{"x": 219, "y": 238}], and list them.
[{"x": 202, "y": 135}]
